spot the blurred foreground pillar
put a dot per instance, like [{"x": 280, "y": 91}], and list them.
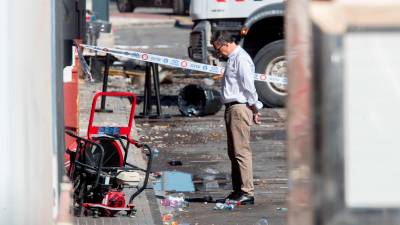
[
  {"x": 342, "y": 112},
  {"x": 300, "y": 159},
  {"x": 28, "y": 160}
]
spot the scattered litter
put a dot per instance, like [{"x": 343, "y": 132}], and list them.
[
  {"x": 208, "y": 81},
  {"x": 211, "y": 185},
  {"x": 211, "y": 182},
  {"x": 174, "y": 181},
  {"x": 208, "y": 178},
  {"x": 211, "y": 171},
  {"x": 175, "y": 163},
  {"x": 167, "y": 217},
  {"x": 228, "y": 205},
  {"x": 156, "y": 127},
  {"x": 131, "y": 178},
  {"x": 157, "y": 174},
  {"x": 263, "y": 221},
  {"x": 282, "y": 209},
  {"x": 156, "y": 153},
  {"x": 175, "y": 201}
]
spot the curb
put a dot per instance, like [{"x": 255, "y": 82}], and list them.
[{"x": 143, "y": 22}]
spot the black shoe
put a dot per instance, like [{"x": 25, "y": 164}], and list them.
[
  {"x": 243, "y": 199},
  {"x": 232, "y": 195}
]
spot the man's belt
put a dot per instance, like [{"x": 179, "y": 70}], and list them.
[{"x": 227, "y": 105}]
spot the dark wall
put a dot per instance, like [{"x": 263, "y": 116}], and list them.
[{"x": 73, "y": 13}]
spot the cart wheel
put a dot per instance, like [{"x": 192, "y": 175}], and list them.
[
  {"x": 112, "y": 154},
  {"x": 95, "y": 213},
  {"x": 132, "y": 212}
]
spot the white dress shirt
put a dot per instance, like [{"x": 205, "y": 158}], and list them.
[{"x": 238, "y": 83}]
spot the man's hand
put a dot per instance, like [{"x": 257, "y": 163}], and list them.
[{"x": 257, "y": 118}]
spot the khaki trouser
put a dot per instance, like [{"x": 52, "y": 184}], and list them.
[{"x": 238, "y": 119}]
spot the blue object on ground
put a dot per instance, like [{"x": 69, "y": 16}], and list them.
[{"x": 175, "y": 181}]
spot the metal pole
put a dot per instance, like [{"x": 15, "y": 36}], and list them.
[
  {"x": 28, "y": 160},
  {"x": 300, "y": 130},
  {"x": 156, "y": 80},
  {"x": 105, "y": 84},
  {"x": 147, "y": 91}
]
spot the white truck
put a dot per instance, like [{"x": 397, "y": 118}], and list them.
[
  {"x": 259, "y": 28},
  {"x": 178, "y": 6}
]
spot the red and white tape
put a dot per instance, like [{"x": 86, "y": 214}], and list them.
[{"x": 179, "y": 63}]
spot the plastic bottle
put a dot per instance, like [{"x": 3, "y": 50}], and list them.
[
  {"x": 263, "y": 221},
  {"x": 156, "y": 152},
  {"x": 168, "y": 219}
]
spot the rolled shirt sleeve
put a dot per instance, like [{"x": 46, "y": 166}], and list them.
[{"x": 246, "y": 75}]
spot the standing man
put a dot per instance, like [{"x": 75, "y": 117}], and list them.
[{"x": 241, "y": 111}]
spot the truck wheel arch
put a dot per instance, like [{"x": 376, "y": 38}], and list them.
[
  {"x": 264, "y": 26},
  {"x": 264, "y": 42},
  {"x": 262, "y": 33},
  {"x": 178, "y": 7},
  {"x": 125, "y": 6}
]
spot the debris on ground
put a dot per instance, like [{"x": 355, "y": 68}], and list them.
[
  {"x": 156, "y": 152},
  {"x": 208, "y": 81},
  {"x": 263, "y": 221},
  {"x": 211, "y": 171},
  {"x": 175, "y": 201},
  {"x": 198, "y": 100},
  {"x": 175, "y": 163},
  {"x": 282, "y": 209},
  {"x": 228, "y": 205},
  {"x": 167, "y": 218}
]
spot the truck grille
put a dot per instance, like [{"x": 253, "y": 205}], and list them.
[{"x": 196, "y": 40}]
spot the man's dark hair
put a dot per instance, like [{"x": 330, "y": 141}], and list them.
[{"x": 222, "y": 37}]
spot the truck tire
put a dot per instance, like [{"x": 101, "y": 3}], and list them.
[
  {"x": 125, "y": 6},
  {"x": 178, "y": 7},
  {"x": 271, "y": 60}
]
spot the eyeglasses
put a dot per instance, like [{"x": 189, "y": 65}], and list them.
[{"x": 218, "y": 49}]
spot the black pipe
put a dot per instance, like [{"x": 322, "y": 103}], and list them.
[
  {"x": 147, "y": 91},
  {"x": 156, "y": 79},
  {"x": 146, "y": 178}
]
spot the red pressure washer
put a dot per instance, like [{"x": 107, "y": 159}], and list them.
[{"x": 97, "y": 165}]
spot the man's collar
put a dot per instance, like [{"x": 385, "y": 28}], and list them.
[{"x": 235, "y": 52}]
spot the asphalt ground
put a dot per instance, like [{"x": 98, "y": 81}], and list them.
[{"x": 199, "y": 144}]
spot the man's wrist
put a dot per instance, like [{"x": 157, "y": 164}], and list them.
[{"x": 254, "y": 109}]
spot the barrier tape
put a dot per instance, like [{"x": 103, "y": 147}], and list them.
[
  {"x": 85, "y": 66},
  {"x": 179, "y": 63}
]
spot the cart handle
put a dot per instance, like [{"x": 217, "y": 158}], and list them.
[{"x": 121, "y": 130}]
